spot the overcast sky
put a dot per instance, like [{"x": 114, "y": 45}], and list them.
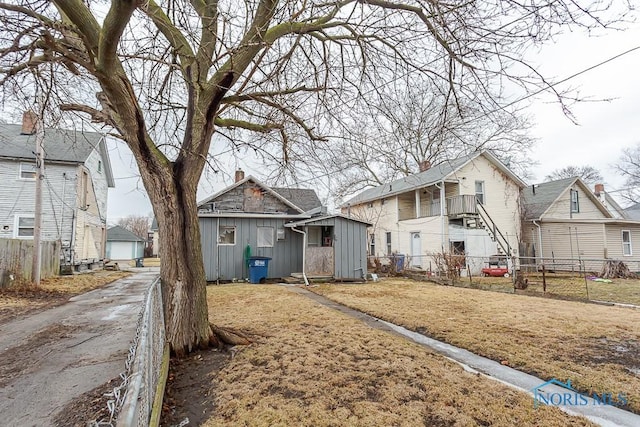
[{"x": 603, "y": 129}]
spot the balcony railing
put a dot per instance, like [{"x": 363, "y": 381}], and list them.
[{"x": 462, "y": 205}]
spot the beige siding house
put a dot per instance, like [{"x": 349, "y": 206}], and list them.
[
  {"x": 470, "y": 205},
  {"x": 566, "y": 224}
]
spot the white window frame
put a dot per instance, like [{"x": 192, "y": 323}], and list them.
[
  {"x": 627, "y": 246},
  {"x": 226, "y": 227},
  {"x": 16, "y": 227},
  {"x": 575, "y": 202},
  {"x": 21, "y": 170},
  {"x": 372, "y": 244},
  {"x": 480, "y": 196},
  {"x": 265, "y": 237}
]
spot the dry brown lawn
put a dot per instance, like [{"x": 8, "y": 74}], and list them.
[
  {"x": 626, "y": 291},
  {"x": 313, "y": 366},
  {"x": 596, "y": 346},
  {"x": 24, "y": 298}
]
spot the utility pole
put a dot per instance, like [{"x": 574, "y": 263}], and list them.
[{"x": 37, "y": 226}]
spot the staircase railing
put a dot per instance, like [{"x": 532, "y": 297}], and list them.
[{"x": 493, "y": 230}]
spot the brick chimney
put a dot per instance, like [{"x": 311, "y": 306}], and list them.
[
  {"x": 424, "y": 165},
  {"x": 239, "y": 175},
  {"x": 599, "y": 189},
  {"x": 29, "y": 123}
]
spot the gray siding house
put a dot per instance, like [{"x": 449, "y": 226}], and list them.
[
  {"x": 77, "y": 177},
  {"x": 250, "y": 218}
]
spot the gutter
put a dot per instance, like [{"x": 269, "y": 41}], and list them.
[{"x": 304, "y": 253}]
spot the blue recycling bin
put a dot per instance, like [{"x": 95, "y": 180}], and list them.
[
  {"x": 399, "y": 262},
  {"x": 258, "y": 268}
]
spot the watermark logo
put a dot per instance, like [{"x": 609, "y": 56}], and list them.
[{"x": 548, "y": 394}]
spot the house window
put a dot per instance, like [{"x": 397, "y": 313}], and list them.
[
  {"x": 226, "y": 235},
  {"x": 27, "y": 170},
  {"x": 575, "y": 206},
  {"x": 372, "y": 244},
  {"x": 382, "y": 202},
  {"x": 314, "y": 236},
  {"x": 370, "y": 205},
  {"x": 480, "y": 192},
  {"x": 265, "y": 237},
  {"x": 388, "y": 237},
  {"x": 627, "y": 250},
  {"x": 84, "y": 189},
  {"x": 24, "y": 227}
]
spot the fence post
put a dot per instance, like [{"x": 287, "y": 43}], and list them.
[{"x": 544, "y": 280}]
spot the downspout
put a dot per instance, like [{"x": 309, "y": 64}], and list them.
[
  {"x": 539, "y": 238},
  {"x": 441, "y": 213},
  {"x": 304, "y": 253},
  {"x": 218, "y": 251}
]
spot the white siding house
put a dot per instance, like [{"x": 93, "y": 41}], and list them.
[
  {"x": 470, "y": 205},
  {"x": 77, "y": 175}
]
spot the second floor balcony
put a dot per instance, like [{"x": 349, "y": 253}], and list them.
[{"x": 454, "y": 207}]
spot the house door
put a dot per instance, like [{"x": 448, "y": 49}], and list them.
[{"x": 416, "y": 250}]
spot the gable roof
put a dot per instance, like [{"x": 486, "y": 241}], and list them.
[
  {"x": 302, "y": 196},
  {"x": 119, "y": 234},
  {"x": 60, "y": 145},
  {"x": 547, "y": 193},
  {"x": 633, "y": 211},
  {"x": 431, "y": 176}
]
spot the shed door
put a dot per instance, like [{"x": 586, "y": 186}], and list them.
[{"x": 416, "y": 250}]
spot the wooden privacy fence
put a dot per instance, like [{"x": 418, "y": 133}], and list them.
[{"x": 16, "y": 258}]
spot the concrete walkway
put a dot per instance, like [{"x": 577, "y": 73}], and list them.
[
  {"x": 51, "y": 358},
  {"x": 604, "y": 415}
]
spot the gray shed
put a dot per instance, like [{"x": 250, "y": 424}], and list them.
[
  {"x": 336, "y": 246},
  {"x": 250, "y": 218}
]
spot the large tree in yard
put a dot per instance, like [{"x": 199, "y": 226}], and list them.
[{"x": 167, "y": 76}]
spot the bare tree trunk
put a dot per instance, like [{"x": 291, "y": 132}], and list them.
[{"x": 182, "y": 272}]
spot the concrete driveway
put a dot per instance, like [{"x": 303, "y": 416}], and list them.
[{"x": 50, "y": 358}]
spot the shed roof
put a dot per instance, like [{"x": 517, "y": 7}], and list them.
[
  {"x": 119, "y": 234},
  {"x": 60, "y": 145},
  {"x": 311, "y": 221},
  {"x": 431, "y": 176}
]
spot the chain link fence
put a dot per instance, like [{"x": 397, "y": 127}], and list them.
[
  {"x": 569, "y": 278},
  {"x": 130, "y": 403}
]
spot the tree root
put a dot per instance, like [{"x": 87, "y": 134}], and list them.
[{"x": 227, "y": 336}]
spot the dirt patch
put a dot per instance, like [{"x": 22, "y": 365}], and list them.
[
  {"x": 190, "y": 387},
  {"x": 91, "y": 406},
  {"x": 25, "y": 357},
  {"x": 18, "y": 302}
]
